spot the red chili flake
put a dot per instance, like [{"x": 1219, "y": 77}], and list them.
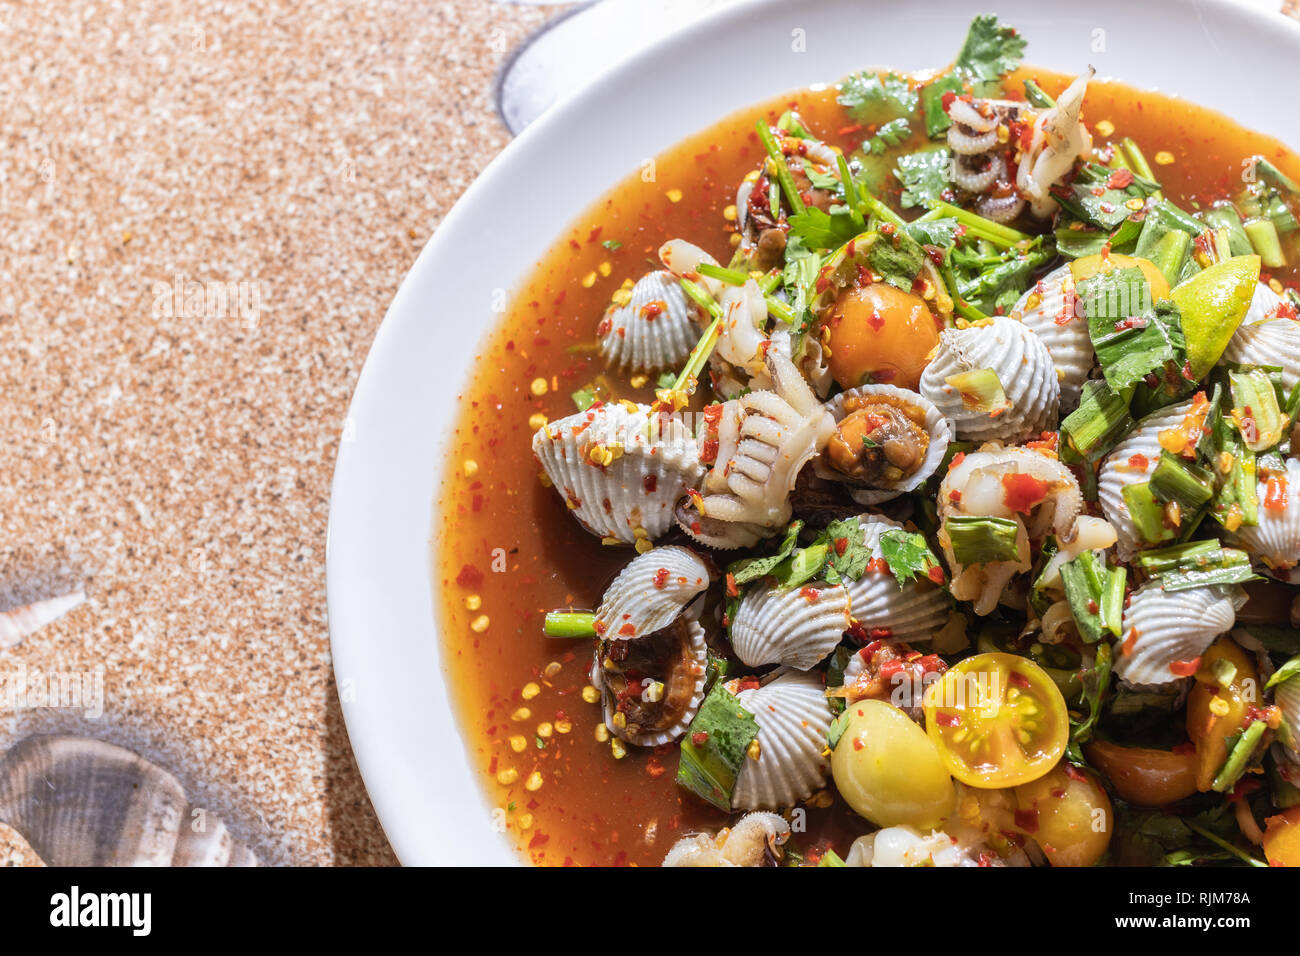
[
  {"x": 841, "y": 544},
  {"x": 628, "y": 630},
  {"x": 878, "y": 566},
  {"x": 857, "y": 743},
  {"x": 880, "y": 633},
  {"x": 1075, "y": 774},
  {"x": 890, "y": 668},
  {"x": 539, "y": 839},
  {"x": 957, "y": 459},
  {"x": 809, "y": 594},
  {"x": 652, "y": 310},
  {"x": 948, "y": 99},
  {"x": 1139, "y": 461},
  {"x": 700, "y": 737},
  {"x": 650, "y": 483},
  {"x": 660, "y": 579},
  {"x": 1120, "y": 179},
  {"x": 1023, "y": 492},
  {"x": 876, "y": 320},
  {"x": 732, "y": 590},
  {"x": 954, "y": 496},
  {"x": 947, "y": 720},
  {"x": 870, "y": 651},
  {"x": 936, "y": 575},
  {"x": 469, "y": 577},
  {"x": 1019, "y": 680},
  {"x": 1027, "y": 820},
  {"x": 1093, "y": 607},
  {"x": 1185, "y": 668},
  {"x": 1275, "y": 493},
  {"x": 887, "y": 229},
  {"x": 709, "y": 451},
  {"x": 712, "y": 414}
]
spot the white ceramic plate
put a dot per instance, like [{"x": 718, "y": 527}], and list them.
[{"x": 380, "y": 576}]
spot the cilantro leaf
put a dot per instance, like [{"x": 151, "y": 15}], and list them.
[
  {"x": 872, "y": 99},
  {"x": 991, "y": 50},
  {"x": 751, "y": 569},
  {"x": 932, "y": 95},
  {"x": 818, "y": 229},
  {"x": 847, "y": 551},
  {"x": 890, "y": 134},
  {"x": 924, "y": 176},
  {"x": 713, "y": 748},
  {"x": 907, "y": 554},
  {"x": 897, "y": 258},
  {"x": 1098, "y": 195}
]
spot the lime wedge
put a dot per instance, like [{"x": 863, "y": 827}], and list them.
[{"x": 1212, "y": 304}]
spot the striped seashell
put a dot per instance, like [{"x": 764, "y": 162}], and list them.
[
  {"x": 84, "y": 802},
  {"x": 763, "y": 440},
  {"x": 654, "y": 330},
  {"x": 795, "y": 627},
  {"x": 684, "y": 638},
  {"x": 1286, "y": 696},
  {"x": 651, "y": 592},
  {"x": 1131, "y": 462},
  {"x": 1048, "y": 311},
  {"x": 1162, "y": 628},
  {"x": 20, "y": 622},
  {"x": 1275, "y": 540},
  {"x": 884, "y": 610},
  {"x": 793, "y": 720},
  {"x": 922, "y": 411},
  {"x": 1023, "y": 366},
  {"x": 1266, "y": 338},
  {"x": 620, "y": 467}
]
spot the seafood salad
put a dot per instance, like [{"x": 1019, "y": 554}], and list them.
[{"x": 929, "y": 495}]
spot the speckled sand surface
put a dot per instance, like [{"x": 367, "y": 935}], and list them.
[{"x": 179, "y": 465}]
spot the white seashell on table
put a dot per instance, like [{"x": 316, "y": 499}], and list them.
[
  {"x": 84, "y": 802},
  {"x": 883, "y": 609},
  {"x": 21, "y": 622},
  {"x": 1023, "y": 366}
]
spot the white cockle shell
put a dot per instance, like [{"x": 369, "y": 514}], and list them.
[
  {"x": 793, "y": 719},
  {"x": 896, "y": 614},
  {"x": 654, "y": 330},
  {"x": 651, "y": 592},
  {"x": 655, "y": 461},
  {"x": 1130, "y": 462},
  {"x": 1266, "y": 338},
  {"x": 1274, "y": 541},
  {"x": 1023, "y": 366},
  {"x": 794, "y": 626},
  {"x": 1167, "y": 627},
  {"x": 1047, "y": 310}
]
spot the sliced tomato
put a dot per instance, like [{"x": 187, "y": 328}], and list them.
[{"x": 998, "y": 720}]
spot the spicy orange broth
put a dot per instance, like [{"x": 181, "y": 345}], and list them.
[{"x": 590, "y": 808}]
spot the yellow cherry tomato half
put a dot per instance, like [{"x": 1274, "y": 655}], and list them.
[
  {"x": 1068, "y": 814},
  {"x": 998, "y": 720}
]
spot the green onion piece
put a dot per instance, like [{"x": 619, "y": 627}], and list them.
[
  {"x": 722, "y": 274},
  {"x": 977, "y": 225},
  {"x": 1037, "y": 97},
  {"x": 569, "y": 623},
  {"x": 981, "y": 390},
  {"x": 1161, "y": 560},
  {"x": 831, "y": 858},
  {"x": 1270, "y": 172},
  {"x": 1224, "y": 215},
  {"x": 1112, "y": 601},
  {"x": 1090, "y": 591},
  {"x": 1170, "y": 253},
  {"x": 783, "y": 175},
  {"x": 585, "y": 397},
  {"x": 850, "y": 189},
  {"x": 704, "y": 347},
  {"x": 870, "y": 204},
  {"x": 806, "y": 564},
  {"x": 780, "y": 310},
  {"x": 1239, "y": 758},
  {"x": 980, "y": 540},
  {"x": 1147, "y": 512},
  {"x": 1255, "y": 409},
  {"x": 713, "y": 748},
  {"x": 1264, "y": 240},
  {"x": 1137, "y": 161},
  {"x": 1205, "y": 567},
  {"x": 1100, "y": 421},
  {"x": 1278, "y": 211},
  {"x": 1185, "y": 482}
]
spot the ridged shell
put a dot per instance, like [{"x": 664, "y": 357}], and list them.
[
  {"x": 1275, "y": 540},
  {"x": 659, "y": 461},
  {"x": 700, "y": 652},
  {"x": 1264, "y": 338},
  {"x": 1119, "y": 469},
  {"x": 1023, "y": 366},
  {"x": 1047, "y": 312},
  {"x": 1287, "y": 697},
  {"x": 935, "y": 423},
  {"x": 797, "y": 627},
  {"x": 1171, "y": 627},
  {"x": 910, "y": 613},
  {"x": 793, "y": 720},
  {"x": 650, "y": 592},
  {"x": 654, "y": 330},
  {"x": 21, "y": 622},
  {"x": 84, "y": 802}
]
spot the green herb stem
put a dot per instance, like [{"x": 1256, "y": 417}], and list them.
[
  {"x": 783, "y": 174},
  {"x": 569, "y": 624}
]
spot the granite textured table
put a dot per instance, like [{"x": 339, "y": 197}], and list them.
[{"x": 207, "y": 208}]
